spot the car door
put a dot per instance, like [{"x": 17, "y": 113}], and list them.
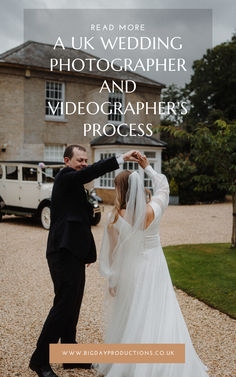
[
  {"x": 11, "y": 185},
  {"x": 29, "y": 187}
]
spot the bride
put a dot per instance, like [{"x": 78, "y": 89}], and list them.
[{"x": 140, "y": 304}]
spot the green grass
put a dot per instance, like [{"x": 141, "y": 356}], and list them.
[{"x": 205, "y": 271}]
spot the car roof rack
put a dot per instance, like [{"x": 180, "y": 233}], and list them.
[{"x": 32, "y": 162}]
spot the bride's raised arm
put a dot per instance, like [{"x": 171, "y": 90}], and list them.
[
  {"x": 160, "y": 187},
  {"x": 159, "y": 183}
]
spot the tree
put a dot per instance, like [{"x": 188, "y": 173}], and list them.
[
  {"x": 213, "y": 150},
  {"x": 177, "y": 96},
  {"x": 212, "y": 89},
  {"x": 181, "y": 170},
  {"x": 210, "y": 142}
]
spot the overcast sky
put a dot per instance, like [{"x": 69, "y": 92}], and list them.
[{"x": 195, "y": 26}]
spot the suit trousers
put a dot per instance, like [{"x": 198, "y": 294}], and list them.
[{"x": 68, "y": 276}]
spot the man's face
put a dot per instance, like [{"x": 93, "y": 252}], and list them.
[{"x": 78, "y": 161}]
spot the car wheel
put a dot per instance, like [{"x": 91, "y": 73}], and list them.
[
  {"x": 45, "y": 217},
  {"x": 0, "y": 215},
  {"x": 96, "y": 218}
]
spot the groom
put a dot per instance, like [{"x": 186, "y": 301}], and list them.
[{"x": 70, "y": 246}]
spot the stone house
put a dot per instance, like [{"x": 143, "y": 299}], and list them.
[{"x": 32, "y": 130}]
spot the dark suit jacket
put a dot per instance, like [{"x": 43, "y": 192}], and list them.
[{"x": 70, "y": 225}]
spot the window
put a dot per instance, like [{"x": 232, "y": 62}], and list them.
[
  {"x": 1, "y": 172},
  {"x": 150, "y": 154},
  {"x": 116, "y": 101},
  {"x": 49, "y": 174},
  {"x": 54, "y": 152},
  {"x": 11, "y": 172},
  {"x": 131, "y": 166},
  {"x": 107, "y": 180},
  {"x": 29, "y": 174},
  {"x": 54, "y": 99}
]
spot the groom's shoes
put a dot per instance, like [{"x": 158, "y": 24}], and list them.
[
  {"x": 77, "y": 365},
  {"x": 43, "y": 371}
]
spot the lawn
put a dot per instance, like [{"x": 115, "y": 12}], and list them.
[{"x": 205, "y": 271}]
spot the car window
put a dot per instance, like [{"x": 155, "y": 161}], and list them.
[
  {"x": 29, "y": 174},
  {"x": 1, "y": 172},
  {"x": 49, "y": 174},
  {"x": 11, "y": 172}
]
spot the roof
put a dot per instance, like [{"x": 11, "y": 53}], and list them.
[
  {"x": 117, "y": 139},
  {"x": 37, "y": 55},
  {"x": 33, "y": 162}
]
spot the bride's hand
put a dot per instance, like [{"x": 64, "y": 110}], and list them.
[
  {"x": 112, "y": 291},
  {"x": 143, "y": 161}
]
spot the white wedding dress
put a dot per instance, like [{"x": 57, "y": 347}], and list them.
[{"x": 145, "y": 308}]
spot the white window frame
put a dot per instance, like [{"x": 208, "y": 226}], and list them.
[
  {"x": 117, "y": 97},
  {"x": 106, "y": 181},
  {"x": 62, "y": 99},
  {"x": 132, "y": 166},
  {"x": 58, "y": 150}
]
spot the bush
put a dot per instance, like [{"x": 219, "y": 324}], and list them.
[
  {"x": 174, "y": 190},
  {"x": 181, "y": 173}
]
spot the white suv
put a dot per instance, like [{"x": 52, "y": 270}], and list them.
[{"x": 26, "y": 187}]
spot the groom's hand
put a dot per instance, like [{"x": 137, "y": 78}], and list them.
[{"x": 132, "y": 156}]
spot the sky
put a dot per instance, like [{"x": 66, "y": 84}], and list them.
[{"x": 195, "y": 26}]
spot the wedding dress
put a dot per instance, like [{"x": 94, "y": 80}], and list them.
[{"x": 145, "y": 308}]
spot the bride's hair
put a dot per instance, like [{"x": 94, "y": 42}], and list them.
[{"x": 121, "y": 187}]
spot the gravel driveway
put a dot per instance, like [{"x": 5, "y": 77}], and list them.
[{"x": 27, "y": 292}]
